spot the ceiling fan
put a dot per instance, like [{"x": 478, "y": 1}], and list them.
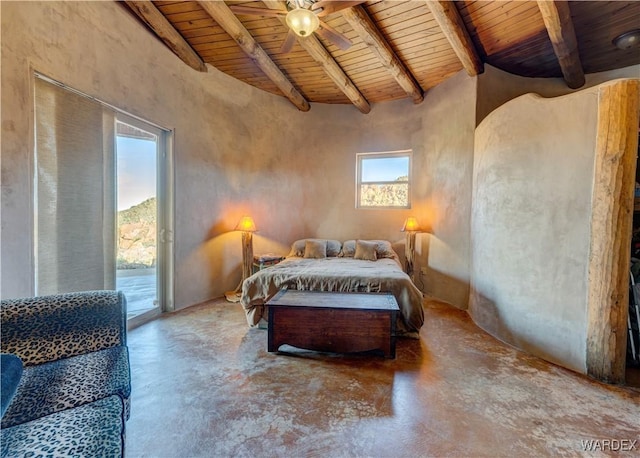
[{"x": 304, "y": 19}]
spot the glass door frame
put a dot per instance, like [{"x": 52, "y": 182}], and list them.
[{"x": 165, "y": 218}]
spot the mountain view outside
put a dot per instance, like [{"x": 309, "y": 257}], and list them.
[
  {"x": 384, "y": 180},
  {"x": 385, "y": 195},
  {"x": 137, "y": 218},
  {"x": 137, "y": 236}
]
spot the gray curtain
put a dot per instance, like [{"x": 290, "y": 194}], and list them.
[{"x": 74, "y": 192}]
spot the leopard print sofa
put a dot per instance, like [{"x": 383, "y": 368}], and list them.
[
  {"x": 73, "y": 348},
  {"x": 68, "y": 383},
  {"x": 91, "y": 430}
]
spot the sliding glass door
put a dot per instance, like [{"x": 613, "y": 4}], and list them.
[
  {"x": 103, "y": 201},
  {"x": 137, "y": 150}
]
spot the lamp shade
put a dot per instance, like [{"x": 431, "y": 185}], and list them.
[
  {"x": 246, "y": 224},
  {"x": 410, "y": 224},
  {"x": 302, "y": 21}
]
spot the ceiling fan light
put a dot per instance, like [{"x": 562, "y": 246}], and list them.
[{"x": 302, "y": 21}]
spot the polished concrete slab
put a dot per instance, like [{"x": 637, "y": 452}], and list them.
[{"x": 205, "y": 386}]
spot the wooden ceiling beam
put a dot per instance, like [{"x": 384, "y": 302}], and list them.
[
  {"x": 448, "y": 18},
  {"x": 333, "y": 70},
  {"x": 151, "y": 16},
  {"x": 557, "y": 20},
  {"x": 225, "y": 18},
  {"x": 360, "y": 21}
]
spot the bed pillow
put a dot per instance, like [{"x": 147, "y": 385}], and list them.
[
  {"x": 333, "y": 248},
  {"x": 315, "y": 249},
  {"x": 348, "y": 249},
  {"x": 383, "y": 249},
  {"x": 297, "y": 247},
  {"x": 365, "y": 250}
]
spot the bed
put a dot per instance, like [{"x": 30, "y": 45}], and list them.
[{"x": 329, "y": 265}]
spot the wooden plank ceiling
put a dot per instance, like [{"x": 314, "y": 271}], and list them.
[{"x": 399, "y": 49}]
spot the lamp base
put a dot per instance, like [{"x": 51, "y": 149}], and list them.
[{"x": 247, "y": 265}]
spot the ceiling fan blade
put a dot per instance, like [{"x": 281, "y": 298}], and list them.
[
  {"x": 326, "y": 7},
  {"x": 239, "y": 9},
  {"x": 329, "y": 33},
  {"x": 288, "y": 42}
]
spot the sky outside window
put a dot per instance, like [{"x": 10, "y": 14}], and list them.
[
  {"x": 384, "y": 169},
  {"x": 136, "y": 171}
]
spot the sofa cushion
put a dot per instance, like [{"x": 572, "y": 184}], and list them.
[
  {"x": 10, "y": 373},
  {"x": 59, "y": 385},
  {"x": 95, "y": 429},
  {"x": 45, "y": 328}
]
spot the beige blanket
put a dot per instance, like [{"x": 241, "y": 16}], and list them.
[{"x": 335, "y": 274}]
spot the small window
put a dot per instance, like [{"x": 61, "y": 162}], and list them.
[{"x": 383, "y": 180}]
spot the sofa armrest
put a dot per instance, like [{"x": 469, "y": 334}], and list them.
[{"x": 48, "y": 328}]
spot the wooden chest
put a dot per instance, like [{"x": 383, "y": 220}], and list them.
[{"x": 333, "y": 322}]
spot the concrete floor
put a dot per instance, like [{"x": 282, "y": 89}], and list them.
[{"x": 205, "y": 386}]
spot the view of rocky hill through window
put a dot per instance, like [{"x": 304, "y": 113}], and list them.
[
  {"x": 385, "y": 195},
  {"x": 137, "y": 236}
]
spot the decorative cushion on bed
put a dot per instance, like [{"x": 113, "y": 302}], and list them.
[
  {"x": 365, "y": 250},
  {"x": 315, "y": 249},
  {"x": 383, "y": 249},
  {"x": 348, "y": 249},
  {"x": 333, "y": 248},
  {"x": 298, "y": 247}
]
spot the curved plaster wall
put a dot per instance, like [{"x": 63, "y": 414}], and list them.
[
  {"x": 237, "y": 150},
  {"x": 530, "y": 227}
]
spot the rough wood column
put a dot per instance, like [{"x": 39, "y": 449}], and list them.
[
  {"x": 247, "y": 256},
  {"x": 612, "y": 214}
]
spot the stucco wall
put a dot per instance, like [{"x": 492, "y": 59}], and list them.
[
  {"x": 237, "y": 150},
  {"x": 496, "y": 86},
  {"x": 100, "y": 49},
  {"x": 533, "y": 174},
  {"x": 440, "y": 133}
]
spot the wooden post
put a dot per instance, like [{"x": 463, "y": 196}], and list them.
[
  {"x": 409, "y": 252},
  {"x": 247, "y": 266},
  {"x": 247, "y": 255},
  {"x": 611, "y": 220}
]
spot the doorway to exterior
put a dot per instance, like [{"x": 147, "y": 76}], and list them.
[
  {"x": 97, "y": 169},
  {"x": 137, "y": 219},
  {"x": 141, "y": 230}
]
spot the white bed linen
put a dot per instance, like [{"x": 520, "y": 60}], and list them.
[{"x": 335, "y": 274}]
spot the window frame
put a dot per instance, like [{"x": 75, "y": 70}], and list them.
[{"x": 360, "y": 157}]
